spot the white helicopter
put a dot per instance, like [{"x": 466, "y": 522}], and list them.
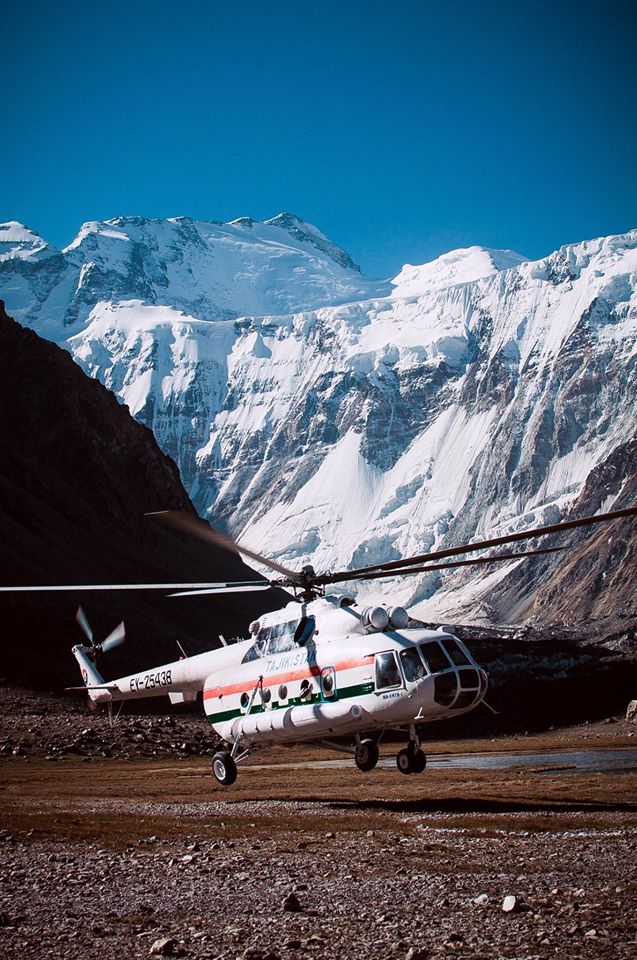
[{"x": 321, "y": 670}]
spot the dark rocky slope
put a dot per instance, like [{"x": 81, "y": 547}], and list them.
[
  {"x": 570, "y": 650},
  {"x": 597, "y": 577},
  {"x": 590, "y": 584},
  {"x": 77, "y": 475}
]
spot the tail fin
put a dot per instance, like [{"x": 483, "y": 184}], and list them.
[{"x": 97, "y": 689}]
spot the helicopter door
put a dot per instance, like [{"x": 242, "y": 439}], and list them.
[{"x": 328, "y": 683}]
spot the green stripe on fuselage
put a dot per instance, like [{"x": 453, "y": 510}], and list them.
[{"x": 345, "y": 693}]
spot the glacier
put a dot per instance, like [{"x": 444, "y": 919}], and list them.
[{"x": 326, "y": 418}]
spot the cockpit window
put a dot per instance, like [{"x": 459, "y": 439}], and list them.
[
  {"x": 279, "y": 638},
  {"x": 469, "y": 679},
  {"x": 413, "y": 667},
  {"x": 445, "y": 688},
  {"x": 254, "y": 652},
  {"x": 434, "y": 656},
  {"x": 387, "y": 673},
  {"x": 455, "y": 651}
]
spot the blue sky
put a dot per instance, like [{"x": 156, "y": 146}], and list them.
[{"x": 402, "y": 129}]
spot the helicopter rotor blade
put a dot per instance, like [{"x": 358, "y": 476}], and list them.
[
  {"x": 392, "y": 565},
  {"x": 114, "y": 639},
  {"x": 224, "y": 588},
  {"x": 202, "y": 529},
  {"x": 476, "y": 561},
  {"x": 80, "y": 616},
  {"x": 74, "y": 587}
]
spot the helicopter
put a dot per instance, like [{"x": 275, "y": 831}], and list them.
[{"x": 324, "y": 670}]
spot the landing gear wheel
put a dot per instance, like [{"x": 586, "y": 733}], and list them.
[
  {"x": 405, "y": 761},
  {"x": 366, "y": 755},
  {"x": 411, "y": 760},
  {"x": 224, "y": 768}
]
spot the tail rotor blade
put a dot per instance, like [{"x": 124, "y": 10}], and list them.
[
  {"x": 114, "y": 639},
  {"x": 80, "y": 616}
]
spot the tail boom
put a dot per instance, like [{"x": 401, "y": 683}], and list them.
[{"x": 181, "y": 679}]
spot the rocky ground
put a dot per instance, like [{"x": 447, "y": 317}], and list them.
[
  {"x": 137, "y": 855},
  {"x": 400, "y": 884},
  {"x": 36, "y": 725}
]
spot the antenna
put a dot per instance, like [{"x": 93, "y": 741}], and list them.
[{"x": 183, "y": 652}]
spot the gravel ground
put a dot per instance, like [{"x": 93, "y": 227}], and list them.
[
  {"x": 375, "y": 892},
  {"x": 134, "y": 855}
]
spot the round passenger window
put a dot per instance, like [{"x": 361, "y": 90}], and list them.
[
  {"x": 328, "y": 683},
  {"x": 245, "y": 699},
  {"x": 306, "y": 689},
  {"x": 266, "y": 695},
  {"x": 283, "y": 692}
]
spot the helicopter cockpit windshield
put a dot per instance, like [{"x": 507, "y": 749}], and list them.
[
  {"x": 455, "y": 652},
  {"x": 458, "y": 682},
  {"x": 434, "y": 657}
]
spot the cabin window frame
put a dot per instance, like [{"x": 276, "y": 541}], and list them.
[
  {"x": 455, "y": 651},
  {"x": 328, "y": 696},
  {"x": 306, "y": 690}
]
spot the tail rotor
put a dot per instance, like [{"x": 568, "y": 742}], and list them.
[
  {"x": 115, "y": 638},
  {"x": 80, "y": 616}
]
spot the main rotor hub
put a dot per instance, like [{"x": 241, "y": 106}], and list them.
[{"x": 305, "y": 582}]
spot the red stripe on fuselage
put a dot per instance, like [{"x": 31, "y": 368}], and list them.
[{"x": 274, "y": 679}]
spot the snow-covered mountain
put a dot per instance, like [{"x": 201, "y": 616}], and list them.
[
  {"x": 327, "y": 418},
  {"x": 214, "y": 271},
  {"x": 457, "y": 266}
]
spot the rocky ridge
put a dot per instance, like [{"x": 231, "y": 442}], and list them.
[{"x": 206, "y": 269}]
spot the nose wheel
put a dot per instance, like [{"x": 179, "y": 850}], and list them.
[{"x": 411, "y": 760}]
